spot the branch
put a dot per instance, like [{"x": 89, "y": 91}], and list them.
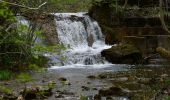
[
  {"x": 162, "y": 16},
  {"x": 10, "y": 3}
]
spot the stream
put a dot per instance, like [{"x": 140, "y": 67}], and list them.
[{"x": 84, "y": 75}]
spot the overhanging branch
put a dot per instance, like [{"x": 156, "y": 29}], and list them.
[
  {"x": 31, "y": 8},
  {"x": 162, "y": 16}
]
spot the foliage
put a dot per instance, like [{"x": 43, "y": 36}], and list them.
[
  {"x": 36, "y": 68},
  {"x": 70, "y": 5},
  {"x": 24, "y": 77},
  {"x": 5, "y": 75},
  {"x": 82, "y": 97},
  {"x": 5, "y": 89},
  {"x": 19, "y": 48},
  {"x": 166, "y": 98}
]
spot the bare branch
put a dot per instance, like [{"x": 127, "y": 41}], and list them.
[
  {"x": 23, "y": 6},
  {"x": 162, "y": 16}
]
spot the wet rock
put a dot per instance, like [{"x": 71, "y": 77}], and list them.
[
  {"x": 20, "y": 97},
  {"x": 166, "y": 91},
  {"x": 67, "y": 83},
  {"x": 97, "y": 97},
  {"x": 91, "y": 77},
  {"x": 84, "y": 88},
  {"x": 6, "y": 83},
  {"x": 95, "y": 89},
  {"x": 113, "y": 91},
  {"x": 62, "y": 79},
  {"x": 8, "y": 97},
  {"x": 30, "y": 93},
  {"x": 90, "y": 40},
  {"x": 88, "y": 61},
  {"x": 122, "y": 54},
  {"x": 132, "y": 78},
  {"x": 58, "y": 95},
  {"x": 163, "y": 52},
  {"x": 43, "y": 81},
  {"x": 109, "y": 98},
  {"x": 64, "y": 92},
  {"x": 102, "y": 76},
  {"x": 88, "y": 82},
  {"x": 144, "y": 80}
]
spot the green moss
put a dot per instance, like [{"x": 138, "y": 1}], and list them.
[
  {"x": 5, "y": 90},
  {"x": 163, "y": 52}
]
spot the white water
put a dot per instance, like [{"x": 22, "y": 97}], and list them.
[{"x": 73, "y": 30}]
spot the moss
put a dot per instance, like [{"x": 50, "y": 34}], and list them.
[
  {"x": 146, "y": 82},
  {"x": 126, "y": 49},
  {"x": 163, "y": 52}
]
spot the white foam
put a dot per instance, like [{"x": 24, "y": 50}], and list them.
[
  {"x": 74, "y": 34},
  {"x": 80, "y": 14}
]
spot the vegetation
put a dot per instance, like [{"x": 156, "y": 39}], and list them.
[
  {"x": 19, "y": 49},
  {"x": 16, "y": 40},
  {"x": 5, "y": 75}
]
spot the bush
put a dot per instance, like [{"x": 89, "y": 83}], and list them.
[{"x": 16, "y": 41}]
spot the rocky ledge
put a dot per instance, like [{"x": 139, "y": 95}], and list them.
[{"x": 123, "y": 54}]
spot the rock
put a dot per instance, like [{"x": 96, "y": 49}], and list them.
[
  {"x": 95, "y": 89},
  {"x": 20, "y": 97},
  {"x": 132, "y": 78},
  {"x": 58, "y": 95},
  {"x": 88, "y": 82},
  {"x": 102, "y": 76},
  {"x": 6, "y": 83},
  {"x": 67, "y": 83},
  {"x": 84, "y": 88},
  {"x": 166, "y": 90},
  {"x": 97, "y": 97},
  {"x": 90, "y": 40},
  {"x": 9, "y": 97},
  {"x": 62, "y": 79},
  {"x": 163, "y": 52},
  {"x": 30, "y": 93},
  {"x": 113, "y": 91},
  {"x": 123, "y": 54},
  {"x": 91, "y": 77}
]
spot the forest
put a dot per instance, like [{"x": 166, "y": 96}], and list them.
[{"x": 84, "y": 50}]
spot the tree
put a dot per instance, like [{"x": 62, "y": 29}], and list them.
[{"x": 16, "y": 40}]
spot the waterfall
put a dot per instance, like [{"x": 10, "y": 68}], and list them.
[{"x": 83, "y": 37}]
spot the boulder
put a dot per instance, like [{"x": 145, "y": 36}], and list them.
[
  {"x": 163, "y": 52},
  {"x": 122, "y": 54}
]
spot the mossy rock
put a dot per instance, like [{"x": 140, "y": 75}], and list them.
[
  {"x": 163, "y": 52},
  {"x": 122, "y": 54}
]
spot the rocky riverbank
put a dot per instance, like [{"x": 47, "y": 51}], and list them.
[{"x": 114, "y": 82}]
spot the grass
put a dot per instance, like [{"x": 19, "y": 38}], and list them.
[{"x": 5, "y": 75}]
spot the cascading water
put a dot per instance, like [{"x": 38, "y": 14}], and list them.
[{"x": 84, "y": 38}]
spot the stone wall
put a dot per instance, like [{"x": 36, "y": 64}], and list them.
[{"x": 147, "y": 44}]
